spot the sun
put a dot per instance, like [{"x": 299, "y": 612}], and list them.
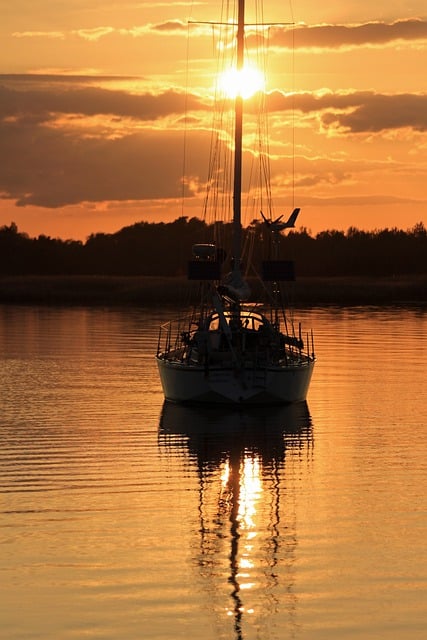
[{"x": 244, "y": 82}]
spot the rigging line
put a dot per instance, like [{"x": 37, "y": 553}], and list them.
[
  {"x": 263, "y": 124},
  {"x": 184, "y": 158},
  {"x": 185, "y": 141},
  {"x": 293, "y": 104},
  {"x": 214, "y": 146},
  {"x": 219, "y": 165}
]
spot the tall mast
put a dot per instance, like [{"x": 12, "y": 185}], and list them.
[{"x": 238, "y": 122}]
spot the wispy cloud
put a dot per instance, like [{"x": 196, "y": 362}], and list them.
[
  {"x": 91, "y": 35},
  {"x": 186, "y": 3},
  {"x": 170, "y": 26},
  {"x": 322, "y": 36},
  {"x": 54, "y": 35},
  {"x": 94, "y": 34}
]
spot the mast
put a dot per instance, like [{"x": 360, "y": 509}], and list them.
[{"x": 238, "y": 126}]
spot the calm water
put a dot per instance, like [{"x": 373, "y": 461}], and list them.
[{"x": 122, "y": 518}]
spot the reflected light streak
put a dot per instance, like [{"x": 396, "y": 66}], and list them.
[
  {"x": 250, "y": 494},
  {"x": 245, "y": 563},
  {"x": 245, "y": 477},
  {"x": 225, "y": 475}
]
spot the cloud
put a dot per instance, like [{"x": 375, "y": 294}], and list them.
[
  {"x": 60, "y": 76},
  {"x": 156, "y": 5},
  {"x": 52, "y": 167},
  {"x": 51, "y": 161},
  {"x": 358, "y": 111},
  {"x": 171, "y": 26},
  {"x": 55, "y": 35},
  {"x": 67, "y": 142},
  {"x": 361, "y": 200},
  {"x": 92, "y": 35},
  {"x": 382, "y": 112},
  {"x": 333, "y": 36},
  {"x": 46, "y": 167},
  {"x": 72, "y": 98},
  {"x": 322, "y": 36}
]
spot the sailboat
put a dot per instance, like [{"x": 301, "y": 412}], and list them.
[{"x": 231, "y": 348}]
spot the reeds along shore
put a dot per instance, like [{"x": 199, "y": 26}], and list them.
[{"x": 150, "y": 291}]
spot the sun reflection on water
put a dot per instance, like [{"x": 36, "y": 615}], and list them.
[
  {"x": 250, "y": 492},
  {"x": 240, "y": 461}
]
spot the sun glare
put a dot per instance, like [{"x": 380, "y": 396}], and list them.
[{"x": 242, "y": 83}]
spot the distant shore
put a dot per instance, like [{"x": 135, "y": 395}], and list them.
[{"x": 147, "y": 291}]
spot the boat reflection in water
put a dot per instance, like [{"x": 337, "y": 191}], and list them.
[{"x": 248, "y": 463}]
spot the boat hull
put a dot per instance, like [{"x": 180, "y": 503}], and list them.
[{"x": 186, "y": 383}]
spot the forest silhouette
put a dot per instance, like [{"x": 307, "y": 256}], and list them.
[{"x": 163, "y": 249}]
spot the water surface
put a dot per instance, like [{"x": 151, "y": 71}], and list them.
[{"x": 124, "y": 517}]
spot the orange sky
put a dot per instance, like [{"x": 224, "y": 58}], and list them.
[{"x": 92, "y": 99}]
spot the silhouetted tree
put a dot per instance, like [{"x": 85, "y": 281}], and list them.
[{"x": 164, "y": 249}]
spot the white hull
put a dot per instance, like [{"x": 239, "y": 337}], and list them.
[{"x": 184, "y": 382}]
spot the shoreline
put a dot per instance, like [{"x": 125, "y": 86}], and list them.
[{"x": 149, "y": 291}]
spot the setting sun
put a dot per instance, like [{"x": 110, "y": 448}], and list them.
[{"x": 244, "y": 82}]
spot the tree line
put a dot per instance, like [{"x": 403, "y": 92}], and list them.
[{"x": 163, "y": 249}]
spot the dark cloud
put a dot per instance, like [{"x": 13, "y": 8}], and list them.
[
  {"x": 48, "y": 167},
  {"x": 72, "y": 98},
  {"x": 334, "y": 36},
  {"x": 380, "y": 113},
  {"x": 47, "y": 163},
  {"x": 359, "y": 111}
]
